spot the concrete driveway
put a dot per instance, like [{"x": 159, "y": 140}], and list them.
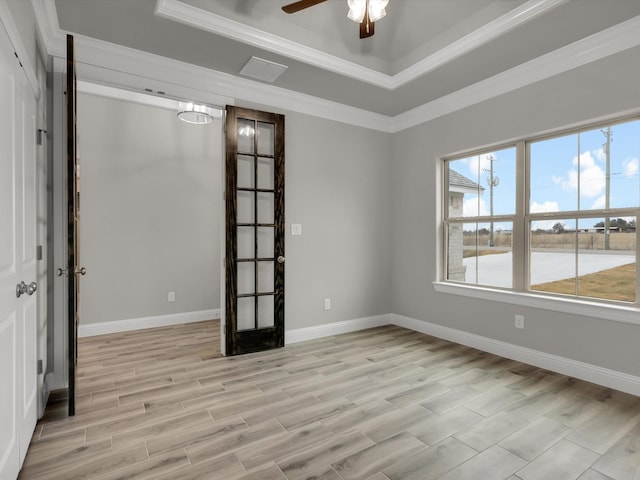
[{"x": 496, "y": 270}]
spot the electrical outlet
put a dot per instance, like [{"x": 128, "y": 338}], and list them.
[
  {"x": 519, "y": 321},
  {"x": 171, "y": 297},
  {"x": 327, "y": 304}
]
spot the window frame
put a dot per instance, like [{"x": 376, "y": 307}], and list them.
[{"x": 520, "y": 293}]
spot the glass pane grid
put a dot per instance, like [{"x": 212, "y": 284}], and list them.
[
  {"x": 583, "y": 202},
  {"x": 255, "y": 225}
]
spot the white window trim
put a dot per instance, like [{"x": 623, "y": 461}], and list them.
[
  {"x": 575, "y": 306},
  {"x": 583, "y": 306}
]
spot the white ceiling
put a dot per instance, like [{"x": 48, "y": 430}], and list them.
[{"x": 422, "y": 50}]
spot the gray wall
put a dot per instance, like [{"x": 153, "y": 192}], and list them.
[
  {"x": 150, "y": 199},
  {"x": 25, "y": 21},
  {"x": 338, "y": 187},
  {"x": 602, "y": 88}
]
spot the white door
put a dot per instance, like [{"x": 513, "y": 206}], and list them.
[{"x": 18, "y": 315}]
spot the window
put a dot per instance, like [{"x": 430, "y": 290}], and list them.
[{"x": 555, "y": 215}]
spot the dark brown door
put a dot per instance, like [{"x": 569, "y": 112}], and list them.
[
  {"x": 254, "y": 230},
  {"x": 72, "y": 224}
]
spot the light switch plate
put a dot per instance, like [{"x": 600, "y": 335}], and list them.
[{"x": 296, "y": 229}]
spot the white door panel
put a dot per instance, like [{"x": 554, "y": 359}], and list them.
[
  {"x": 10, "y": 268},
  {"x": 9, "y": 441},
  {"x": 18, "y": 316}
]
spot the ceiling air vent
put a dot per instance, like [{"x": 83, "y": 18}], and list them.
[{"x": 262, "y": 69}]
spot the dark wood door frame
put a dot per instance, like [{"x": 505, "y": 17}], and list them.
[
  {"x": 256, "y": 339},
  {"x": 72, "y": 230}
]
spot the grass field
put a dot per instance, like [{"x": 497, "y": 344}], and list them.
[{"x": 612, "y": 284}]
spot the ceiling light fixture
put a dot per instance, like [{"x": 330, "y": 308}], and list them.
[
  {"x": 196, "y": 114},
  {"x": 246, "y": 131},
  {"x": 375, "y": 8}
]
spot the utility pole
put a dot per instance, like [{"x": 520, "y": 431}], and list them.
[
  {"x": 607, "y": 193},
  {"x": 493, "y": 181}
]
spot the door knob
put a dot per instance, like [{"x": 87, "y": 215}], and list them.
[
  {"x": 280, "y": 259},
  {"x": 31, "y": 288},
  {"x": 80, "y": 270},
  {"x": 61, "y": 271},
  {"x": 24, "y": 288}
]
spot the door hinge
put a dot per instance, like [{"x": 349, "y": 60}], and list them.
[
  {"x": 39, "y": 136},
  {"x": 40, "y": 368}
]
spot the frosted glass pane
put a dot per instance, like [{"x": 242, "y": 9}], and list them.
[
  {"x": 246, "y": 314},
  {"x": 265, "y": 173},
  {"x": 265, "y": 277},
  {"x": 245, "y": 205},
  {"x": 265, "y": 207},
  {"x": 265, "y": 242},
  {"x": 245, "y": 171},
  {"x": 245, "y": 242},
  {"x": 245, "y": 277},
  {"x": 266, "y": 140},
  {"x": 265, "y": 311},
  {"x": 246, "y": 134}
]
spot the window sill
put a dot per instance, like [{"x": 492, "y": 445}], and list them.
[{"x": 612, "y": 312}]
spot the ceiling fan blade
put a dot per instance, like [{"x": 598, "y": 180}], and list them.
[
  {"x": 367, "y": 27},
  {"x": 301, "y": 5},
  {"x": 367, "y": 30}
]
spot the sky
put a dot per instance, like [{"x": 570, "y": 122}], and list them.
[{"x": 567, "y": 173}]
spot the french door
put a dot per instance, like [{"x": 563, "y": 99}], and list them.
[
  {"x": 73, "y": 218},
  {"x": 254, "y": 192},
  {"x": 18, "y": 305}
]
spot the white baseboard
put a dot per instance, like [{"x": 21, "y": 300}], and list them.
[
  {"x": 334, "y": 328},
  {"x": 92, "y": 329},
  {"x": 573, "y": 368}
]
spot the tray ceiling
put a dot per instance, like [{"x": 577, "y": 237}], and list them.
[{"x": 422, "y": 50}]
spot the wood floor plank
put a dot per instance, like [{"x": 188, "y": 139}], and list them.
[
  {"x": 490, "y": 431},
  {"x": 372, "y": 460},
  {"x": 432, "y": 463},
  {"x": 195, "y": 436},
  {"x": 325, "y": 453},
  {"x": 233, "y": 441},
  {"x": 282, "y": 445},
  {"x": 492, "y": 464},
  {"x": 382, "y": 404},
  {"x": 565, "y": 460},
  {"x": 622, "y": 461},
  {"x": 534, "y": 439}
]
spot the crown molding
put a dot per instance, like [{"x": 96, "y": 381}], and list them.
[
  {"x": 180, "y": 12},
  {"x": 140, "y": 98},
  {"x": 117, "y": 66},
  {"x": 106, "y": 63},
  {"x": 490, "y": 31},
  {"x": 21, "y": 52},
  {"x": 196, "y": 17},
  {"x": 48, "y": 26},
  {"x": 618, "y": 38}
]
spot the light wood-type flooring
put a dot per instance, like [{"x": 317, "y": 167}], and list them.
[{"x": 380, "y": 404}]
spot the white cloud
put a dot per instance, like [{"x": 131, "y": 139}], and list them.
[
  {"x": 542, "y": 208},
  {"x": 474, "y": 207},
  {"x": 631, "y": 167},
  {"x": 600, "y": 202},
  {"x": 592, "y": 177}
]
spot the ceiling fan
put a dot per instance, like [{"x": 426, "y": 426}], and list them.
[{"x": 365, "y": 12}]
